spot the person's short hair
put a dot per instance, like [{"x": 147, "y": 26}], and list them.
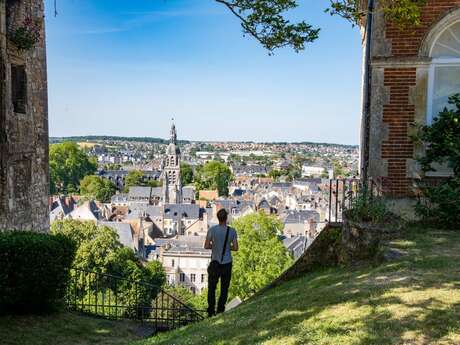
[{"x": 222, "y": 215}]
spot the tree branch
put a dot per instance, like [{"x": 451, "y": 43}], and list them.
[{"x": 265, "y": 21}]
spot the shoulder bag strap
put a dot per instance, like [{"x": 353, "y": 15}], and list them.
[{"x": 225, "y": 245}]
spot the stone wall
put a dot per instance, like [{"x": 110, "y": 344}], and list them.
[
  {"x": 323, "y": 252},
  {"x": 399, "y": 88},
  {"x": 24, "y": 176}
]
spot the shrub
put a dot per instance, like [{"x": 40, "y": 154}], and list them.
[
  {"x": 367, "y": 207},
  {"x": 34, "y": 270},
  {"x": 441, "y": 203},
  {"x": 99, "y": 250}
]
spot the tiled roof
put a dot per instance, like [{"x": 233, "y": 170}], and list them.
[
  {"x": 294, "y": 217},
  {"x": 124, "y": 232}
]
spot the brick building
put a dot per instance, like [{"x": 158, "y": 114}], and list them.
[
  {"x": 412, "y": 73},
  {"x": 24, "y": 173}
]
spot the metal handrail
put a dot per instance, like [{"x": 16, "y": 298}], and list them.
[
  {"x": 342, "y": 193},
  {"x": 100, "y": 294}
]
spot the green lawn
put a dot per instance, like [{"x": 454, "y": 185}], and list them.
[
  {"x": 414, "y": 299},
  {"x": 64, "y": 329}
]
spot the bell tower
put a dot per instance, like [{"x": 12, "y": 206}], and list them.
[{"x": 172, "y": 186}]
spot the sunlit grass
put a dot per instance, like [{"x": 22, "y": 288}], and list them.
[
  {"x": 63, "y": 329},
  {"x": 412, "y": 300}
]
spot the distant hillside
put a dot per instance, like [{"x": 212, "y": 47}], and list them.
[
  {"x": 412, "y": 299},
  {"x": 54, "y": 140},
  {"x": 90, "y": 138}
]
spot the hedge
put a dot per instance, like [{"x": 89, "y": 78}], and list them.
[{"x": 34, "y": 271}]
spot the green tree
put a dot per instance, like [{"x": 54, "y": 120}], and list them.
[
  {"x": 267, "y": 20},
  {"x": 186, "y": 172},
  {"x": 68, "y": 165},
  {"x": 112, "y": 166},
  {"x": 134, "y": 178},
  {"x": 97, "y": 246},
  {"x": 261, "y": 257},
  {"x": 294, "y": 172},
  {"x": 404, "y": 13},
  {"x": 99, "y": 250},
  {"x": 338, "y": 169},
  {"x": 275, "y": 174},
  {"x": 440, "y": 203},
  {"x": 155, "y": 273},
  {"x": 154, "y": 183},
  {"x": 198, "y": 301},
  {"x": 95, "y": 187},
  {"x": 213, "y": 175}
]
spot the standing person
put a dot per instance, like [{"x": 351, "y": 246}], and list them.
[{"x": 222, "y": 239}]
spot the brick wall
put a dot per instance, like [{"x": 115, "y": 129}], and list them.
[
  {"x": 400, "y": 81},
  {"x": 398, "y": 115},
  {"x": 407, "y": 42}
]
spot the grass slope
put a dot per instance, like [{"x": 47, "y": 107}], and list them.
[
  {"x": 64, "y": 328},
  {"x": 414, "y": 299}
]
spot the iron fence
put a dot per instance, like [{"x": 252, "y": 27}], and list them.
[
  {"x": 342, "y": 193},
  {"x": 116, "y": 298}
]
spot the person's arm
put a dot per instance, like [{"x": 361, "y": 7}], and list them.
[
  {"x": 234, "y": 244},
  {"x": 208, "y": 242}
]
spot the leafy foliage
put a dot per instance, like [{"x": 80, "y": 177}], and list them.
[
  {"x": 95, "y": 187},
  {"x": 265, "y": 20},
  {"x": 68, "y": 165},
  {"x": 27, "y": 35},
  {"x": 154, "y": 183},
  {"x": 137, "y": 178},
  {"x": 34, "y": 270},
  {"x": 197, "y": 302},
  {"x": 134, "y": 178},
  {"x": 367, "y": 207},
  {"x": 338, "y": 169},
  {"x": 441, "y": 203},
  {"x": 293, "y": 172},
  {"x": 261, "y": 257},
  {"x": 403, "y": 13},
  {"x": 213, "y": 175},
  {"x": 186, "y": 172},
  {"x": 99, "y": 250}
]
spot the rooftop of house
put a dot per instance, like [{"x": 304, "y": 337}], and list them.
[
  {"x": 188, "y": 211},
  {"x": 183, "y": 245},
  {"x": 124, "y": 232},
  {"x": 294, "y": 217},
  {"x": 294, "y": 243}
]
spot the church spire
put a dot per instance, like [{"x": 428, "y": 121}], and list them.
[{"x": 173, "y": 139}]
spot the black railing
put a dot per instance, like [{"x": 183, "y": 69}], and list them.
[
  {"x": 116, "y": 298},
  {"x": 342, "y": 193}
]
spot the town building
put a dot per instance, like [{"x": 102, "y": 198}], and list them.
[
  {"x": 185, "y": 261},
  {"x": 301, "y": 223},
  {"x": 312, "y": 171},
  {"x": 172, "y": 184},
  {"x": 24, "y": 176}
]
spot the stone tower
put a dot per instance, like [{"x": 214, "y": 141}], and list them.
[
  {"x": 172, "y": 187},
  {"x": 24, "y": 176}
]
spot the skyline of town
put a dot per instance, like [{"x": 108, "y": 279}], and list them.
[{"x": 140, "y": 138}]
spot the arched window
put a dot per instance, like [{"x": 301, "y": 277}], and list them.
[{"x": 444, "y": 75}]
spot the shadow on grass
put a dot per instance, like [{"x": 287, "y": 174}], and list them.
[{"x": 413, "y": 300}]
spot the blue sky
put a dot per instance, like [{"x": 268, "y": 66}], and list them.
[{"x": 125, "y": 67}]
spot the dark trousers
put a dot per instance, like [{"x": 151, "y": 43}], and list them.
[{"x": 223, "y": 272}]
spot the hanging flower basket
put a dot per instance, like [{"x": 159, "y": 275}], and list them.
[{"x": 27, "y": 35}]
